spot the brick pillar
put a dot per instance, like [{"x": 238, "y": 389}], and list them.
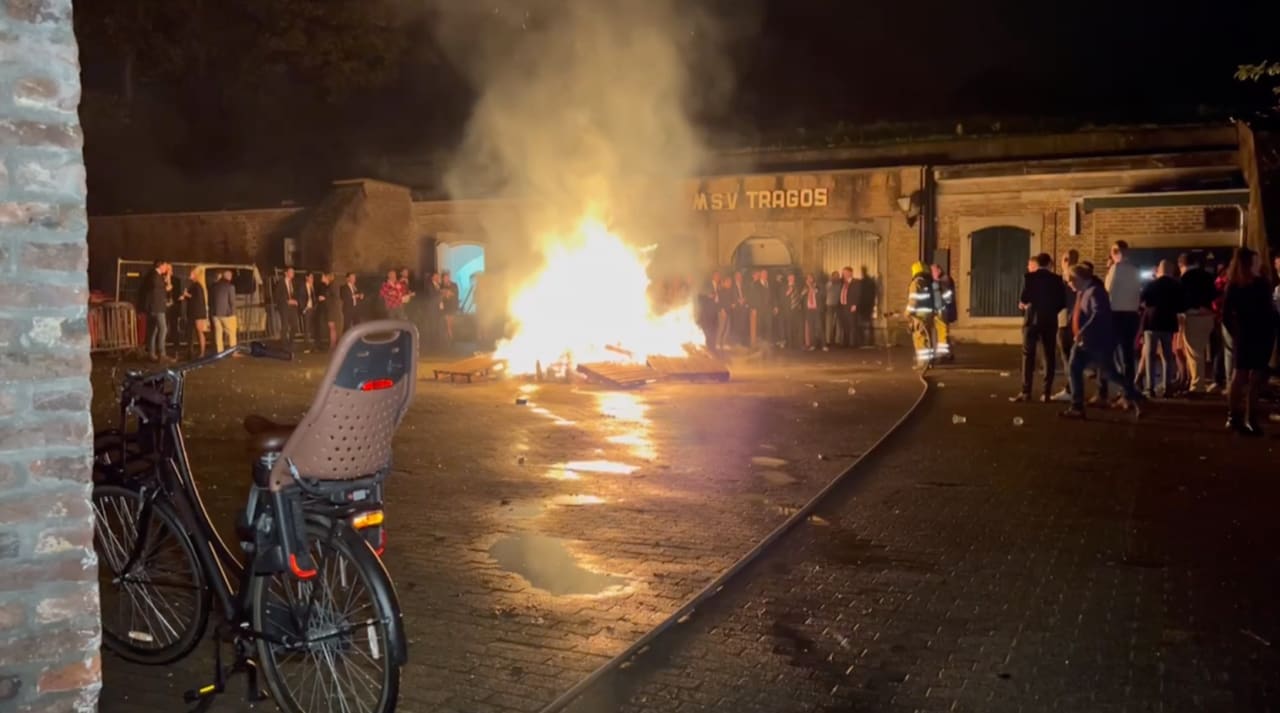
[{"x": 49, "y": 625}]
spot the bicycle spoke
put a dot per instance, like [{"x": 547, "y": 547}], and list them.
[{"x": 335, "y": 665}]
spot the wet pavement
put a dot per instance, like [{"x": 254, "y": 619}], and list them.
[
  {"x": 982, "y": 564},
  {"x": 531, "y": 541}
]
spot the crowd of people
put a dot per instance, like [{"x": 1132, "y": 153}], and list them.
[
  {"x": 786, "y": 309},
  {"x": 163, "y": 297},
  {"x": 313, "y": 309},
  {"x": 1196, "y": 328},
  {"x": 320, "y": 314}
]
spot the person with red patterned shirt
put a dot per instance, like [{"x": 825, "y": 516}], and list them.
[{"x": 393, "y": 295}]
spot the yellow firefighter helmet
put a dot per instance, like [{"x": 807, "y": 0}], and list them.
[{"x": 918, "y": 268}]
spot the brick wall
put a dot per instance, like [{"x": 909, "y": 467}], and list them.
[
  {"x": 1046, "y": 211},
  {"x": 49, "y": 628},
  {"x": 248, "y": 236}
]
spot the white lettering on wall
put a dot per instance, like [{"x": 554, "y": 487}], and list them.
[{"x": 790, "y": 198}]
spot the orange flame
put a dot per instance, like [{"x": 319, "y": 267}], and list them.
[{"x": 592, "y": 295}]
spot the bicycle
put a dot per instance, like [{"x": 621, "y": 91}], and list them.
[{"x": 311, "y": 532}]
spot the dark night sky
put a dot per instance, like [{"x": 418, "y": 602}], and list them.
[{"x": 798, "y": 64}]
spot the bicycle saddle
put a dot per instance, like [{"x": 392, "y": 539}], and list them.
[{"x": 267, "y": 436}]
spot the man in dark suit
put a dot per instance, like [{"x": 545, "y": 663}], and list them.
[
  {"x": 286, "y": 300},
  {"x": 351, "y": 299},
  {"x": 1042, "y": 299}
]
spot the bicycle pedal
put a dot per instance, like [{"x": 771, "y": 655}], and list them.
[{"x": 202, "y": 693}]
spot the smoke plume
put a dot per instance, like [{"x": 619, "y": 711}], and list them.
[{"x": 583, "y": 108}]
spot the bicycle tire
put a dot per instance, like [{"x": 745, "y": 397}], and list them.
[
  {"x": 330, "y": 547},
  {"x": 157, "y": 635}
]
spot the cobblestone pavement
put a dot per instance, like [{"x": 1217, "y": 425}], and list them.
[
  {"x": 984, "y": 566},
  {"x": 623, "y": 503}
]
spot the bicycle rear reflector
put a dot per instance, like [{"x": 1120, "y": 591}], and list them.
[
  {"x": 299, "y": 572},
  {"x": 377, "y": 384},
  {"x": 372, "y": 518}
]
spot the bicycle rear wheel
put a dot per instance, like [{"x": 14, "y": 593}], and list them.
[
  {"x": 326, "y": 642},
  {"x": 157, "y": 611}
]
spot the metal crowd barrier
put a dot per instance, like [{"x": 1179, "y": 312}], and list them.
[{"x": 113, "y": 326}]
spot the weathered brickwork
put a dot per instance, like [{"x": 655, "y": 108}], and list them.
[
  {"x": 248, "y": 236},
  {"x": 49, "y": 629},
  {"x": 1044, "y": 206}
]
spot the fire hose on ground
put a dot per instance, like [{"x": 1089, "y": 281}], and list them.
[{"x": 684, "y": 613}]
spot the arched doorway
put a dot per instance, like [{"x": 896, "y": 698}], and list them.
[
  {"x": 760, "y": 251},
  {"x": 997, "y": 264},
  {"x": 462, "y": 261}
]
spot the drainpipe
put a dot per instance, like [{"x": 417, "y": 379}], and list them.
[{"x": 928, "y": 229}]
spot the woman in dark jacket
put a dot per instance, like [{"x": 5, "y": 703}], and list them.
[{"x": 1249, "y": 320}]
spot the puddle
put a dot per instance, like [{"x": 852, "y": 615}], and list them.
[
  {"x": 768, "y": 462},
  {"x": 573, "y": 500},
  {"x": 547, "y": 564},
  {"x": 777, "y": 477},
  {"x": 600, "y": 466},
  {"x": 554, "y": 418},
  {"x": 622, "y": 406},
  {"x": 638, "y": 442}
]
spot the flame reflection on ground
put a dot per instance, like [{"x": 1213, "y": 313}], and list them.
[{"x": 600, "y": 466}]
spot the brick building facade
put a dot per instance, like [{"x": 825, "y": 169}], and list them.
[
  {"x": 982, "y": 218},
  {"x": 49, "y": 629}
]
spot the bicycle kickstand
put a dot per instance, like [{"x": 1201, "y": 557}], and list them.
[{"x": 244, "y": 664}]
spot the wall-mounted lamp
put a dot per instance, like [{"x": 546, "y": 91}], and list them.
[{"x": 910, "y": 207}]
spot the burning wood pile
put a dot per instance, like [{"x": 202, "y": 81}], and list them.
[{"x": 588, "y": 312}]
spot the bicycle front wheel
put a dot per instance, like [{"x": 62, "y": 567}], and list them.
[
  {"x": 157, "y": 610},
  {"x": 326, "y": 643}
]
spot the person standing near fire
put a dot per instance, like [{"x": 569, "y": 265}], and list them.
[
  {"x": 332, "y": 297},
  {"x": 194, "y": 297},
  {"x": 944, "y": 289},
  {"x": 351, "y": 299},
  {"x": 922, "y": 310},
  {"x": 831, "y": 312},
  {"x": 394, "y": 293},
  {"x": 222, "y": 303},
  {"x": 848, "y": 306},
  {"x": 286, "y": 301}
]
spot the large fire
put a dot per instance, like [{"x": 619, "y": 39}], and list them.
[{"x": 590, "y": 303}]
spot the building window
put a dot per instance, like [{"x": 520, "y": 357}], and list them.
[
  {"x": 1222, "y": 218},
  {"x": 997, "y": 265}
]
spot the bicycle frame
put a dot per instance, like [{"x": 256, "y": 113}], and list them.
[{"x": 170, "y": 476}]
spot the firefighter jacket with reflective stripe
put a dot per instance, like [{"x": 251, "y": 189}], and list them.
[
  {"x": 944, "y": 289},
  {"x": 921, "y": 299}
]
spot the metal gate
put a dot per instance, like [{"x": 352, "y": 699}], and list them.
[
  {"x": 997, "y": 265},
  {"x": 856, "y": 249}
]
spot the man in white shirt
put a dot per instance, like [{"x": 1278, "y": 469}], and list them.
[{"x": 1124, "y": 288}]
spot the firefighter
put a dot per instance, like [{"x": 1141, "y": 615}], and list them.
[
  {"x": 944, "y": 288},
  {"x": 923, "y": 307}
]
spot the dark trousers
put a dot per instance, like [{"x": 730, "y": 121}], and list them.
[
  {"x": 288, "y": 323},
  {"x": 1125, "y": 325},
  {"x": 813, "y": 332},
  {"x": 862, "y": 328},
  {"x": 848, "y": 326},
  {"x": 1043, "y": 337}
]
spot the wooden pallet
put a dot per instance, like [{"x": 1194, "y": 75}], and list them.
[
  {"x": 480, "y": 365},
  {"x": 698, "y": 366},
  {"x": 618, "y": 376}
]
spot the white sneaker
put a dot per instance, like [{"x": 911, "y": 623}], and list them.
[
  {"x": 1063, "y": 395},
  {"x": 1212, "y": 389}
]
